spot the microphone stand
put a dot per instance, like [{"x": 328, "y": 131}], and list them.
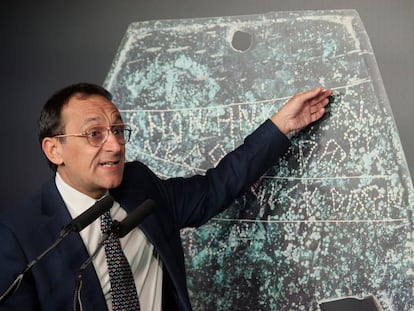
[
  {"x": 76, "y": 225},
  {"x": 18, "y": 280},
  {"x": 77, "y": 302}
]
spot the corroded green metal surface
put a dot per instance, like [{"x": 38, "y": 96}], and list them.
[{"x": 333, "y": 218}]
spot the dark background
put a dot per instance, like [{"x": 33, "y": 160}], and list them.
[{"x": 46, "y": 45}]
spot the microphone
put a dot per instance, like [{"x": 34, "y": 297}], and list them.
[
  {"x": 88, "y": 216},
  {"x": 76, "y": 225},
  {"x": 119, "y": 229}
]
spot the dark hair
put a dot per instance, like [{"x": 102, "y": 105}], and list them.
[{"x": 50, "y": 123}]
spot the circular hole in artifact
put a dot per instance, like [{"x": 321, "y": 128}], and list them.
[{"x": 242, "y": 41}]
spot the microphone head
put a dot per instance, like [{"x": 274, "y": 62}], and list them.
[
  {"x": 92, "y": 213},
  {"x": 132, "y": 220}
]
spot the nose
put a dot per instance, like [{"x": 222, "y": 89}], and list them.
[{"x": 111, "y": 143}]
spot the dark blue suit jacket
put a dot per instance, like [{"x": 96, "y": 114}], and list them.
[{"x": 27, "y": 230}]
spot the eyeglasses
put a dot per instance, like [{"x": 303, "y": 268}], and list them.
[{"x": 98, "y": 135}]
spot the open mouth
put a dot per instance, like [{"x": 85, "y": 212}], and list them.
[{"x": 109, "y": 163}]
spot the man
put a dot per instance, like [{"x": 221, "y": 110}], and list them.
[{"x": 83, "y": 138}]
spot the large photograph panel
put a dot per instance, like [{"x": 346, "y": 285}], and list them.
[{"x": 333, "y": 218}]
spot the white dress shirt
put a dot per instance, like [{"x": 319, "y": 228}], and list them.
[{"x": 146, "y": 268}]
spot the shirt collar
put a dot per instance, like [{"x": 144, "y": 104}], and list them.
[{"x": 76, "y": 202}]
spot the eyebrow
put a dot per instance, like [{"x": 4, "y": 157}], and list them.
[
  {"x": 118, "y": 119},
  {"x": 91, "y": 121}
]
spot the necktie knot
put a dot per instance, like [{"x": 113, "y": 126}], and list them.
[{"x": 106, "y": 222}]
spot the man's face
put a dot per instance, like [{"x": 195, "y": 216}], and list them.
[{"x": 89, "y": 169}]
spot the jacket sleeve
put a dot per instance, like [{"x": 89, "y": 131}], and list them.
[{"x": 197, "y": 199}]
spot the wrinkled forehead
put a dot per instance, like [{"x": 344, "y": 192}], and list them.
[
  {"x": 91, "y": 110},
  {"x": 103, "y": 119}
]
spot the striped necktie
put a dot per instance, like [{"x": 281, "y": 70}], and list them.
[{"x": 123, "y": 290}]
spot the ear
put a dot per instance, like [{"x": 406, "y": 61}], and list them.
[{"x": 52, "y": 149}]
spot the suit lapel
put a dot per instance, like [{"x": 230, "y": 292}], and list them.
[{"x": 71, "y": 252}]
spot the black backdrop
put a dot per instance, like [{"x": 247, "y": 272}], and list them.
[{"x": 46, "y": 45}]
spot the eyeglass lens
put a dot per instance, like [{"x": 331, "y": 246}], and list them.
[{"x": 98, "y": 135}]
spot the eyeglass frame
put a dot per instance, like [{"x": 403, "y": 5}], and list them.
[{"x": 87, "y": 134}]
